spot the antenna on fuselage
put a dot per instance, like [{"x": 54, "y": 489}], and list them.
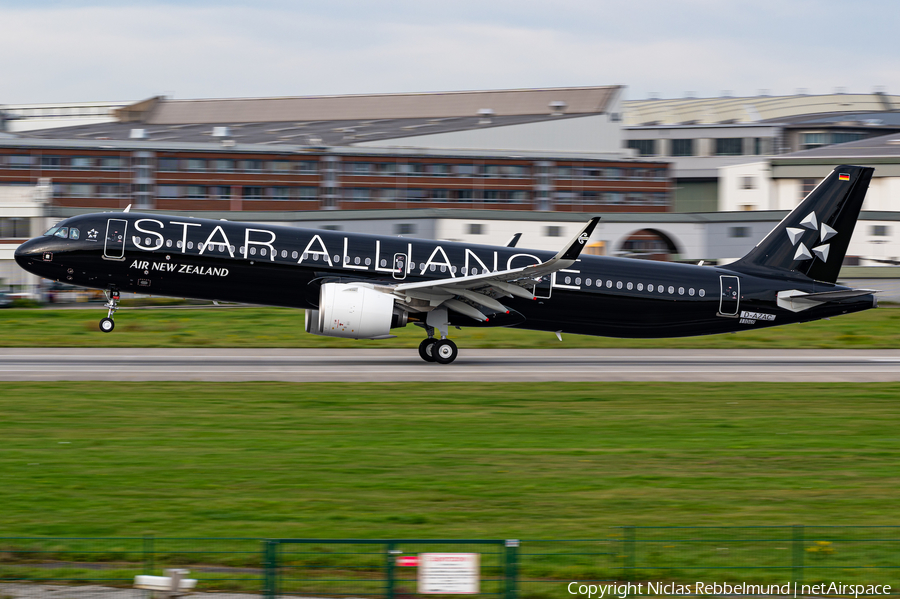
[{"x": 128, "y": 208}]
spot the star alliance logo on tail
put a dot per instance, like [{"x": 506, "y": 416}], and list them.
[{"x": 811, "y": 222}]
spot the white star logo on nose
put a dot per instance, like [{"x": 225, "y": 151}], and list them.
[{"x": 811, "y": 222}]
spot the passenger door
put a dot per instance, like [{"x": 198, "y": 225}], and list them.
[
  {"x": 730, "y": 298},
  {"x": 114, "y": 246}
]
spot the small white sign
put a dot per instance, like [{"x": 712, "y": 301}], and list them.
[{"x": 448, "y": 574}]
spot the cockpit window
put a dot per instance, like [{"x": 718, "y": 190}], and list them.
[
  {"x": 52, "y": 231},
  {"x": 74, "y": 233},
  {"x": 63, "y": 232}
]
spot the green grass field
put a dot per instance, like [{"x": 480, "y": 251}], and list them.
[
  {"x": 278, "y": 327},
  {"x": 474, "y": 460},
  {"x": 549, "y": 460}
]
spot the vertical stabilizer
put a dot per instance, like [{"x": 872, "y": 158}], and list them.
[{"x": 813, "y": 238}]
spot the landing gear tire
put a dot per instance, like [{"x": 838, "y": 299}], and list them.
[
  {"x": 444, "y": 351},
  {"x": 107, "y": 325},
  {"x": 426, "y": 349}
]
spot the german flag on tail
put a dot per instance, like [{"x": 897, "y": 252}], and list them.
[{"x": 844, "y": 177}]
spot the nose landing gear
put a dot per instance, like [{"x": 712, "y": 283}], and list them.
[{"x": 112, "y": 304}]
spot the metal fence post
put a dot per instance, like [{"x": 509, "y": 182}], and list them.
[
  {"x": 148, "y": 554},
  {"x": 270, "y": 569},
  {"x": 628, "y": 553},
  {"x": 512, "y": 568},
  {"x": 797, "y": 553},
  {"x": 390, "y": 557}
]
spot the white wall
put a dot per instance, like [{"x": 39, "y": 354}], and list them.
[{"x": 733, "y": 196}]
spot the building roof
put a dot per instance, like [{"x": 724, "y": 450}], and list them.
[
  {"x": 728, "y": 110},
  {"x": 297, "y": 132},
  {"x": 461, "y": 104},
  {"x": 884, "y": 146},
  {"x": 340, "y": 120}
]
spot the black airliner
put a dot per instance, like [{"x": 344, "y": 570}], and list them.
[{"x": 362, "y": 286}]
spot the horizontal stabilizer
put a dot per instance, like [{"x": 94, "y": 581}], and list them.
[{"x": 797, "y": 301}]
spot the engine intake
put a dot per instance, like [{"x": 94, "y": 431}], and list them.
[{"x": 354, "y": 311}]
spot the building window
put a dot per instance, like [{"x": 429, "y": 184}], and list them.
[
  {"x": 281, "y": 193},
  {"x": 223, "y": 165},
  {"x": 880, "y": 230},
  {"x": 463, "y": 194},
  {"x": 757, "y": 146},
  {"x": 476, "y": 229},
  {"x": 404, "y": 229},
  {"x": 360, "y": 195},
  {"x": 730, "y": 146},
  {"x": 111, "y": 163},
  {"x": 222, "y": 192},
  {"x": 281, "y": 166},
  {"x": 51, "y": 162},
  {"x": 196, "y": 164},
  {"x": 252, "y": 192},
  {"x": 644, "y": 147},
  {"x": 739, "y": 231},
  {"x": 82, "y": 162},
  {"x": 253, "y": 165},
  {"x": 682, "y": 147},
  {"x": 167, "y": 191},
  {"x": 20, "y": 161},
  {"x": 306, "y": 193},
  {"x": 14, "y": 228},
  {"x": 196, "y": 192},
  {"x": 465, "y": 170},
  {"x": 307, "y": 166},
  {"x": 748, "y": 182},
  {"x": 553, "y": 231}
]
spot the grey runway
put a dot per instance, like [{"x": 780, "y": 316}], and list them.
[{"x": 502, "y": 365}]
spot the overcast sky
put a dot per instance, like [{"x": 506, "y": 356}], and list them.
[{"x": 105, "y": 50}]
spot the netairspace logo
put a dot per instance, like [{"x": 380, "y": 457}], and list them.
[{"x": 623, "y": 590}]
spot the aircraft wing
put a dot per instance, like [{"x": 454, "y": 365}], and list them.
[{"x": 460, "y": 293}]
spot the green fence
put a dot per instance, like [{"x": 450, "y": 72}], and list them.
[{"x": 37, "y": 567}]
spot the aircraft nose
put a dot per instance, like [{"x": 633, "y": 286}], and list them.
[{"x": 26, "y": 252}]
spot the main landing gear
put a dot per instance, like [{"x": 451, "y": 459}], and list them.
[
  {"x": 442, "y": 351},
  {"x": 112, "y": 303}
]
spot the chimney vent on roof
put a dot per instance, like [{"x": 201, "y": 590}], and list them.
[
  {"x": 557, "y": 107},
  {"x": 221, "y": 132},
  {"x": 138, "y": 134}
]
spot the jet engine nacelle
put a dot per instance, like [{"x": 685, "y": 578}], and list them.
[{"x": 354, "y": 311}]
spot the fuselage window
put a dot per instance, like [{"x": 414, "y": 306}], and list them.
[
  {"x": 337, "y": 259},
  {"x": 178, "y": 245},
  {"x": 681, "y": 291},
  {"x": 383, "y": 263},
  {"x": 702, "y": 292},
  {"x": 134, "y": 238},
  {"x": 253, "y": 251},
  {"x": 346, "y": 259},
  {"x": 52, "y": 231},
  {"x": 263, "y": 251},
  {"x": 671, "y": 289},
  {"x": 284, "y": 253},
  {"x": 630, "y": 285},
  {"x": 146, "y": 240},
  {"x": 231, "y": 248},
  {"x": 618, "y": 284},
  {"x": 485, "y": 271},
  {"x": 74, "y": 233},
  {"x": 453, "y": 270},
  {"x": 199, "y": 246},
  {"x": 587, "y": 282},
  {"x": 356, "y": 260},
  {"x": 432, "y": 268},
  {"x": 660, "y": 288},
  {"x": 190, "y": 245},
  {"x": 568, "y": 280},
  {"x": 691, "y": 292},
  {"x": 63, "y": 232},
  {"x": 294, "y": 255},
  {"x": 368, "y": 261},
  {"x": 443, "y": 268},
  {"x": 640, "y": 286},
  {"x": 650, "y": 287},
  {"x": 168, "y": 243},
  {"x": 240, "y": 249},
  {"x": 609, "y": 284},
  {"x": 578, "y": 280}
]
